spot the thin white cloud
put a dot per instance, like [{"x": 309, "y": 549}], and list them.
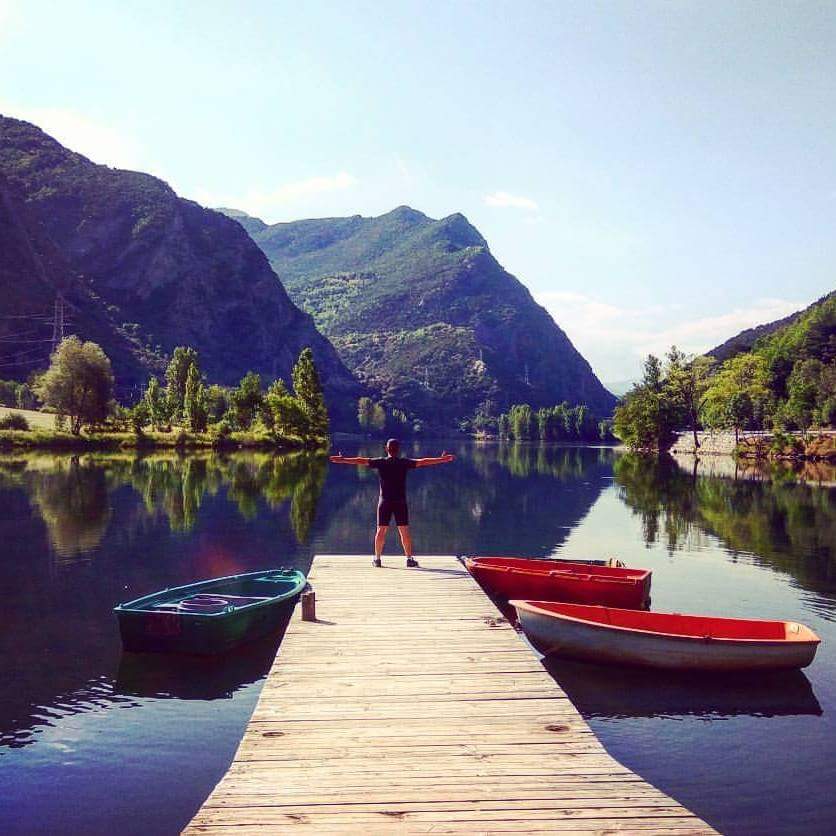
[
  {"x": 615, "y": 338},
  {"x": 505, "y": 200},
  {"x": 284, "y": 200},
  {"x": 291, "y": 192}
]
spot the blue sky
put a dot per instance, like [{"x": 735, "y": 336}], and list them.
[{"x": 654, "y": 172}]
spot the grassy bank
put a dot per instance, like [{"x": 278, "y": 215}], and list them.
[{"x": 41, "y": 437}]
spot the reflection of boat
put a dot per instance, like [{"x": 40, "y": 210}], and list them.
[
  {"x": 642, "y": 692},
  {"x": 551, "y": 580},
  {"x": 665, "y": 640},
  {"x": 196, "y": 677},
  {"x": 209, "y": 616}
]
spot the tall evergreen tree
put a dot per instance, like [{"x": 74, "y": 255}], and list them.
[
  {"x": 157, "y": 404},
  {"x": 307, "y": 387},
  {"x": 247, "y": 400},
  {"x": 176, "y": 376},
  {"x": 194, "y": 402}
]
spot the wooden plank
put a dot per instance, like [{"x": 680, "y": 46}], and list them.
[{"x": 412, "y": 706}]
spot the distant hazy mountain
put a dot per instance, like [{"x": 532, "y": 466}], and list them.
[
  {"x": 148, "y": 269},
  {"x": 619, "y": 388},
  {"x": 420, "y": 310},
  {"x": 745, "y": 340}
]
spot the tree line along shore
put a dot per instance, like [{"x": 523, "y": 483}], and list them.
[
  {"x": 767, "y": 404},
  {"x": 182, "y": 411}
]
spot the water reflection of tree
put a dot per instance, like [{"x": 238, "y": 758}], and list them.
[
  {"x": 276, "y": 479},
  {"x": 788, "y": 525},
  {"x": 72, "y": 499},
  {"x": 523, "y": 460},
  {"x": 72, "y": 494}
]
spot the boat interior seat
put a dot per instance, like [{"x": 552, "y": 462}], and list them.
[{"x": 234, "y": 600}]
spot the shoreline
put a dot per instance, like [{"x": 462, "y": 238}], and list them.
[
  {"x": 815, "y": 446},
  {"x": 21, "y": 440}
]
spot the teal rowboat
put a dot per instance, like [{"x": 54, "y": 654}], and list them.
[{"x": 210, "y": 616}]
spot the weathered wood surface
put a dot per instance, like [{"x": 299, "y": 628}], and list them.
[{"x": 412, "y": 707}]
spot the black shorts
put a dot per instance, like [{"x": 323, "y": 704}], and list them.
[{"x": 387, "y": 508}]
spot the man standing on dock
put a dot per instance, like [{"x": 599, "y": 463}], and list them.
[{"x": 392, "y": 503}]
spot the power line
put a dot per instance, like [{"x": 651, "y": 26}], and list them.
[{"x": 58, "y": 323}]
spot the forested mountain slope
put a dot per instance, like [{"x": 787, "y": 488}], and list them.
[
  {"x": 422, "y": 311},
  {"x": 745, "y": 340},
  {"x": 151, "y": 269}
]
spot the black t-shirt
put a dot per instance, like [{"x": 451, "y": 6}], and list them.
[{"x": 392, "y": 473}]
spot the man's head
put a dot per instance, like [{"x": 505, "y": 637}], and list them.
[{"x": 393, "y": 447}]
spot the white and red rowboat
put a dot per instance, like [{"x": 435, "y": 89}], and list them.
[
  {"x": 665, "y": 640},
  {"x": 534, "y": 579}
]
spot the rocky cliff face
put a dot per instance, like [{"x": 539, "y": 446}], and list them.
[
  {"x": 161, "y": 270},
  {"x": 420, "y": 310},
  {"x": 33, "y": 273}
]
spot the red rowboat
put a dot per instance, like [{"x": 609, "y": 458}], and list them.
[
  {"x": 560, "y": 580},
  {"x": 665, "y": 640}
]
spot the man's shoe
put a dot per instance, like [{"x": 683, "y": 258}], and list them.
[
  {"x": 411, "y": 563},
  {"x": 376, "y": 562}
]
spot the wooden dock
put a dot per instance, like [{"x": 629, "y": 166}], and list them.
[{"x": 412, "y": 707}]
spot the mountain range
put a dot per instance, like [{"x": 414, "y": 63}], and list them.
[
  {"x": 141, "y": 271},
  {"x": 421, "y": 311},
  {"x": 412, "y": 310}
]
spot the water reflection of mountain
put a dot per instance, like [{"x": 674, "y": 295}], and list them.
[
  {"x": 787, "y": 525},
  {"x": 500, "y": 499},
  {"x": 614, "y": 693}
]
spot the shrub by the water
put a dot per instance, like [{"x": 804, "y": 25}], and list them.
[{"x": 14, "y": 421}]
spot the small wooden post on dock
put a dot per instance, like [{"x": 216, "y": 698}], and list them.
[
  {"x": 308, "y": 604},
  {"x": 415, "y": 708}
]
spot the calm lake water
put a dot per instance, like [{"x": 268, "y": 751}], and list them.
[{"x": 94, "y": 741}]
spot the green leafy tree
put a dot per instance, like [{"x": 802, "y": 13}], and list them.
[
  {"x": 739, "y": 412},
  {"x": 365, "y": 410},
  {"x": 543, "y": 419},
  {"x": 744, "y": 378},
  {"x": 826, "y": 399},
  {"x": 523, "y": 425},
  {"x": 157, "y": 403},
  {"x": 139, "y": 415},
  {"x": 217, "y": 402},
  {"x": 308, "y": 388},
  {"x": 8, "y": 392},
  {"x": 194, "y": 403},
  {"x": 687, "y": 380},
  {"x": 246, "y": 401},
  {"x": 645, "y": 419},
  {"x": 288, "y": 416},
  {"x": 176, "y": 376},
  {"x": 503, "y": 426},
  {"x": 78, "y": 383},
  {"x": 809, "y": 387},
  {"x": 27, "y": 396}
]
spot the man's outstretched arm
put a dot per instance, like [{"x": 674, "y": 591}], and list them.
[
  {"x": 363, "y": 461},
  {"x": 431, "y": 460}
]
